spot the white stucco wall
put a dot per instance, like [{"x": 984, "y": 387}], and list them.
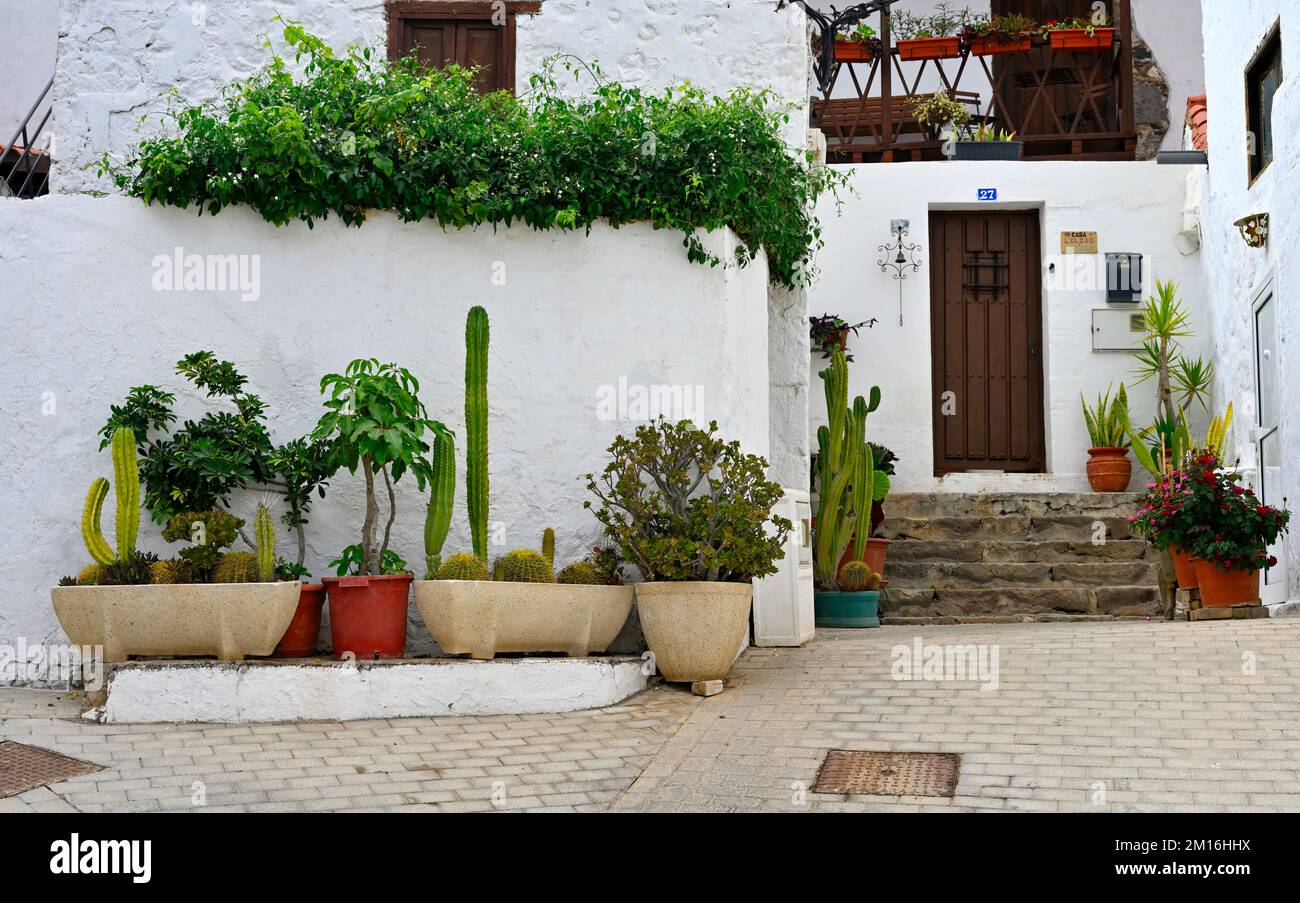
[
  {"x": 1234, "y": 273},
  {"x": 576, "y": 314},
  {"x": 1135, "y": 207},
  {"x": 119, "y": 58},
  {"x": 29, "y": 32}
]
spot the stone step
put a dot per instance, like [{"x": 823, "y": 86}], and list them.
[
  {"x": 1007, "y": 527},
  {"x": 937, "y": 574},
  {"x": 1010, "y": 550},
  {"x": 1112, "y": 601},
  {"x": 956, "y": 504}
]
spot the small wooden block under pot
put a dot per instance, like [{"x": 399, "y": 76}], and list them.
[
  {"x": 1233, "y": 613},
  {"x": 707, "y": 687}
]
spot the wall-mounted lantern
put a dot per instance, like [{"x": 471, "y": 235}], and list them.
[
  {"x": 1123, "y": 278},
  {"x": 1254, "y": 229}
]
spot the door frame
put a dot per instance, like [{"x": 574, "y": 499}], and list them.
[
  {"x": 1036, "y": 331},
  {"x": 1266, "y": 293}
]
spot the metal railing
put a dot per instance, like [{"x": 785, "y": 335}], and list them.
[{"x": 25, "y": 168}]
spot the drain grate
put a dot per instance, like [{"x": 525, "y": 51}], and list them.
[
  {"x": 24, "y": 768},
  {"x": 889, "y": 773}
]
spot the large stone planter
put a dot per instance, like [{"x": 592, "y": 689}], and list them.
[
  {"x": 694, "y": 629},
  {"x": 228, "y": 620},
  {"x": 483, "y": 618}
]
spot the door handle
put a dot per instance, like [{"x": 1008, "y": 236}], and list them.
[{"x": 1033, "y": 351}]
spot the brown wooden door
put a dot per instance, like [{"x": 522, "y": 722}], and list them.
[{"x": 986, "y": 324}]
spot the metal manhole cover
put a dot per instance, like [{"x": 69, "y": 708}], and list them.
[
  {"x": 889, "y": 773},
  {"x": 24, "y": 768}
]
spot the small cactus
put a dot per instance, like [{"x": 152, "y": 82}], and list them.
[
  {"x": 548, "y": 545},
  {"x": 442, "y": 492},
  {"x": 464, "y": 566},
  {"x": 525, "y": 566},
  {"x": 857, "y": 577},
  {"x": 476, "y": 427},
  {"x": 582, "y": 573},
  {"x": 171, "y": 571},
  {"x": 265, "y": 531},
  {"x": 90, "y": 575},
  {"x": 236, "y": 567},
  {"x": 126, "y": 473}
]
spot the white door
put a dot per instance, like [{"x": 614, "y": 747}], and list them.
[{"x": 1268, "y": 432}]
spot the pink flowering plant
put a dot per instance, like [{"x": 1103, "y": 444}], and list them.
[
  {"x": 1165, "y": 517},
  {"x": 1223, "y": 522}
]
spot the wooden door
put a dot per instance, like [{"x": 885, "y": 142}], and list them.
[{"x": 986, "y": 324}]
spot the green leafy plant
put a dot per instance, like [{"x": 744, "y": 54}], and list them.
[
  {"x": 830, "y": 333},
  {"x": 1089, "y": 25},
  {"x": 1005, "y": 29},
  {"x": 938, "y": 110},
  {"x": 376, "y": 423},
  {"x": 681, "y": 504},
  {"x": 341, "y": 133},
  {"x": 944, "y": 22},
  {"x": 208, "y": 532},
  {"x": 352, "y": 560},
  {"x": 987, "y": 134},
  {"x": 1230, "y": 527},
  {"x": 289, "y": 572},
  {"x": 1107, "y": 419}
]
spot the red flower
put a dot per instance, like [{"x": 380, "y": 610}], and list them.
[{"x": 1272, "y": 561}]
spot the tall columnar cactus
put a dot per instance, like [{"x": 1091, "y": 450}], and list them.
[
  {"x": 265, "y": 530},
  {"x": 548, "y": 545},
  {"x": 126, "y": 474},
  {"x": 476, "y": 428},
  {"x": 847, "y": 474},
  {"x": 442, "y": 492}
]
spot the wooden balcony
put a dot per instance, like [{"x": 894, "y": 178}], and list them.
[{"x": 1064, "y": 104}]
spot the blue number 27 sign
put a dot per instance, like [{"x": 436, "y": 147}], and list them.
[{"x": 988, "y": 194}]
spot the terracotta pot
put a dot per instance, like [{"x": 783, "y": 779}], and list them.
[
  {"x": 695, "y": 629},
  {"x": 1109, "y": 469},
  {"x": 992, "y": 46},
  {"x": 929, "y": 49},
  {"x": 1222, "y": 589},
  {"x": 300, "y": 639},
  {"x": 874, "y": 555},
  {"x": 368, "y": 615},
  {"x": 852, "y": 52},
  {"x": 1185, "y": 567},
  {"x": 1079, "y": 39}
]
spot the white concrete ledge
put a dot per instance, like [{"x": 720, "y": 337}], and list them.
[{"x": 244, "y": 692}]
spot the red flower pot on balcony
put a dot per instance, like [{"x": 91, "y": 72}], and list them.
[
  {"x": 852, "y": 52},
  {"x": 1223, "y": 589},
  {"x": 299, "y": 640},
  {"x": 1079, "y": 39},
  {"x": 929, "y": 48},
  {"x": 368, "y": 615},
  {"x": 991, "y": 45}
]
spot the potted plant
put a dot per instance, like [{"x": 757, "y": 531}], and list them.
[
  {"x": 1231, "y": 535},
  {"x": 1109, "y": 468},
  {"x": 856, "y": 604},
  {"x": 204, "y": 603},
  {"x": 693, "y": 513},
  {"x": 1080, "y": 34},
  {"x": 940, "y": 113},
  {"x": 518, "y": 605},
  {"x": 375, "y": 423},
  {"x": 884, "y": 461},
  {"x": 846, "y": 484},
  {"x": 858, "y": 45},
  {"x": 985, "y": 143},
  {"x": 992, "y": 36},
  {"x": 930, "y": 37},
  {"x": 830, "y": 333},
  {"x": 300, "y": 639}
]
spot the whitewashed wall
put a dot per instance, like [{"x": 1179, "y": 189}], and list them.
[
  {"x": 576, "y": 313},
  {"x": 29, "y": 32},
  {"x": 1135, "y": 207},
  {"x": 119, "y": 58},
  {"x": 1234, "y": 272}
]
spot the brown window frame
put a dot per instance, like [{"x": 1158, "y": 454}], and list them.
[
  {"x": 401, "y": 11},
  {"x": 1265, "y": 60}
]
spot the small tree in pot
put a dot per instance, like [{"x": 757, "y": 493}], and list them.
[
  {"x": 376, "y": 424},
  {"x": 694, "y": 514}
]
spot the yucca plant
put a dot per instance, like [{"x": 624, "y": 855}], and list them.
[{"x": 1107, "y": 420}]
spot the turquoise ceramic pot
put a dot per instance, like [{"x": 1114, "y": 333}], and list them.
[{"x": 847, "y": 609}]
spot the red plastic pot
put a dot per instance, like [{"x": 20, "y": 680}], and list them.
[
  {"x": 299, "y": 640},
  {"x": 1184, "y": 567},
  {"x": 1222, "y": 589},
  {"x": 852, "y": 52},
  {"x": 368, "y": 615},
  {"x": 1079, "y": 39},
  {"x": 1109, "y": 469},
  {"x": 995, "y": 46},
  {"x": 929, "y": 49}
]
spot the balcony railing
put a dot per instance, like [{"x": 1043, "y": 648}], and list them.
[{"x": 1072, "y": 104}]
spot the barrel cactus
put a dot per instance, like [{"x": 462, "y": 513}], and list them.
[
  {"x": 525, "y": 566},
  {"x": 90, "y": 575},
  {"x": 236, "y": 567},
  {"x": 463, "y": 567},
  {"x": 857, "y": 577},
  {"x": 581, "y": 573},
  {"x": 126, "y": 476},
  {"x": 476, "y": 428},
  {"x": 265, "y": 531}
]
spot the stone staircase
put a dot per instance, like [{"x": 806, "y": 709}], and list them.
[{"x": 1016, "y": 557}]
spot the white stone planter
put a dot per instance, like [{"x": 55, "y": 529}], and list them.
[
  {"x": 482, "y": 618},
  {"x": 694, "y": 629},
  {"x": 228, "y": 620}
]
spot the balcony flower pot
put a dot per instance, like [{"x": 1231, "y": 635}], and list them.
[
  {"x": 1184, "y": 567},
  {"x": 991, "y": 45},
  {"x": 852, "y": 52},
  {"x": 228, "y": 620},
  {"x": 975, "y": 151},
  {"x": 484, "y": 618},
  {"x": 847, "y": 609},
  {"x": 694, "y": 628},
  {"x": 929, "y": 48},
  {"x": 1109, "y": 469},
  {"x": 874, "y": 555},
  {"x": 1223, "y": 589},
  {"x": 368, "y": 615},
  {"x": 300, "y": 639},
  {"x": 1080, "y": 39}
]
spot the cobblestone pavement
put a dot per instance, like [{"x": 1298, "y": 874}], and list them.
[{"x": 1086, "y": 717}]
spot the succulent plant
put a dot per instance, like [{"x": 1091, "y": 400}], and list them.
[
  {"x": 236, "y": 567},
  {"x": 265, "y": 531},
  {"x": 548, "y": 545},
  {"x": 442, "y": 492},
  {"x": 135, "y": 569},
  {"x": 858, "y": 577},
  {"x": 464, "y": 566},
  {"x": 67, "y": 581},
  {"x": 476, "y": 427},
  {"x": 90, "y": 575},
  {"x": 582, "y": 573},
  {"x": 171, "y": 571},
  {"x": 209, "y": 532},
  {"x": 126, "y": 476},
  {"x": 525, "y": 566}
]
